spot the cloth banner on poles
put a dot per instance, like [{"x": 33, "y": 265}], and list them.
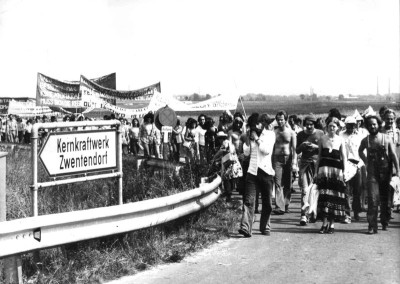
[
  {"x": 93, "y": 94},
  {"x": 127, "y": 113},
  {"x": 28, "y": 109},
  {"x": 65, "y": 94},
  {"x": 223, "y": 102}
]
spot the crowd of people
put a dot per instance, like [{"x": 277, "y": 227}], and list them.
[{"x": 348, "y": 160}]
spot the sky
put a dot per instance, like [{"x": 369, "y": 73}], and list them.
[{"x": 282, "y": 47}]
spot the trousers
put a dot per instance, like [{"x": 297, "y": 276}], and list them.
[
  {"x": 353, "y": 195},
  {"x": 264, "y": 183},
  {"x": 283, "y": 181},
  {"x": 379, "y": 194}
]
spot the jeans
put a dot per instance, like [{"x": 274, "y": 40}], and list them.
[
  {"x": 306, "y": 178},
  {"x": 379, "y": 194},
  {"x": 283, "y": 181},
  {"x": 354, "y": 192},
  {"x": 264, "y": 183}
]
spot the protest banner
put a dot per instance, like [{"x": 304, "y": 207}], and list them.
[
  {"x": 94, "y": 95},
  {"x": 65, "y": 94},
  {"x": 28, "y": 109}
]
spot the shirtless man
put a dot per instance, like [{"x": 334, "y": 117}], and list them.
[
  {"x": 284, "y": 162},
  {"x": 380, "y": 158}
]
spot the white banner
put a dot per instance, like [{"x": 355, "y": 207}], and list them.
[
  {"x": 27, "y": 109},
  {"x": 223, "y": 102}
]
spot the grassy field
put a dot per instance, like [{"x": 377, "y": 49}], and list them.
[
  {"x": 112, "y": 257},
  {"x": 300, "y": 108}
]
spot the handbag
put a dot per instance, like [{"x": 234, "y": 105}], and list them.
[
  {"x": 228, "y": 159},
  {"x": 395, "y": 184},
  {"x": 313, "y": 200},
  {"x": 187, "y": 144}
]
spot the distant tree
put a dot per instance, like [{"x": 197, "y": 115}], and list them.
[
  {"x": 208, "y": 96},
  {"x": 196, "y": 97},
  {"x": 302, "y": 97},
  {"x": 328, "y": 98},
  {"x": 341, "y": 97}
]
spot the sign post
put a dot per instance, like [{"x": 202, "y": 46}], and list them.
[{"x": 76, "y": 152}]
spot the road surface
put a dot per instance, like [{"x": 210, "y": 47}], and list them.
[{"x": 292, "y": 254}]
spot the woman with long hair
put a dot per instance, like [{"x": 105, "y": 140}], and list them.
[
  {"x": 134, "y": 137},
  {"x": 329, "y": 177}
]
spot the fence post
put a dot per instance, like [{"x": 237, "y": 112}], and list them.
[{"x": 12, "y": 265}]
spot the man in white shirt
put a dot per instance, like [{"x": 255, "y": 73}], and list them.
[
  {"x": 260, "y": 175},
  {"x": 352, "y": 141}
]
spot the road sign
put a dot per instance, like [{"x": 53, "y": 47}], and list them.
[
  {"x": 68, "y": 153},
  {"x": 166, "y": 131}
]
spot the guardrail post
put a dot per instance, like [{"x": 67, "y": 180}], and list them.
[{"x": 12, "y": 265}]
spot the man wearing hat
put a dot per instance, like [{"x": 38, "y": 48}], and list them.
[
  {"x": 259, "y": 146},
  {"x": 307, "y": 146},
  {"x": 352, "y": 140}
]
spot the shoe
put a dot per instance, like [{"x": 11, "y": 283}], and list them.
[
  {"x": 384, "y": 227},
  {"x": 288, "y": 211},
  {"x": 303, "y": 221},
  {"x": 266, "y": 233},
  {"x": 330, "y": 231},
  {"x": 244, "y": 233},
  {"x": 278, "y": 212},
  {"x": 347, "y": 220},
  {"x": 370, "y": 231},
  {"x": 323, "y": 229}
]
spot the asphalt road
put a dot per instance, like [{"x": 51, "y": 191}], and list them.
[{"x": 292, "y": 254}]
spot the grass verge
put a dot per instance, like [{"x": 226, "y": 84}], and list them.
[{"x": 112, "y": 257}]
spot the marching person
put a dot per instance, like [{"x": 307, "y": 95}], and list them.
[
  {"x": 329, "y": 178},
  {"x": 380, "y": 158},
  {"x": 307, "y": 148},
  {"x": 352, "y": 140},
  {"x": 284, "y": 162},
  {"x": 231, "y": 169},
  {"x": 259, "y": 146},
  {"x": 201, "y": 131}
]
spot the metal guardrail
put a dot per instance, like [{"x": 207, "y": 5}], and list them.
[{"x": 40, "y": 232}]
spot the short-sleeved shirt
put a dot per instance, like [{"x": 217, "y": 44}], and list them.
[{"x": 310, "y": 154}]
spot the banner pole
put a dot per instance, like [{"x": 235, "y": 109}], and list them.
[{"x": 240, "y": 98}]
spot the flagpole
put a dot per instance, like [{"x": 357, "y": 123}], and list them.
[{"x": 240, "y": 98}]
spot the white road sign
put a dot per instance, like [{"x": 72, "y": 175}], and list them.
[{"x": 66, "y": 153}]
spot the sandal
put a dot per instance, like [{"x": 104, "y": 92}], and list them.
[
  {"x": 323, "y": 229},
  {"x": 330, "y": 230}
]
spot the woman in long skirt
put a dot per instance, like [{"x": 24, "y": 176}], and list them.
[{"x": 329, "y": 177}]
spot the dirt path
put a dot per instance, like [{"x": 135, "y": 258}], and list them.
[{"x": 292, "y": 254}]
